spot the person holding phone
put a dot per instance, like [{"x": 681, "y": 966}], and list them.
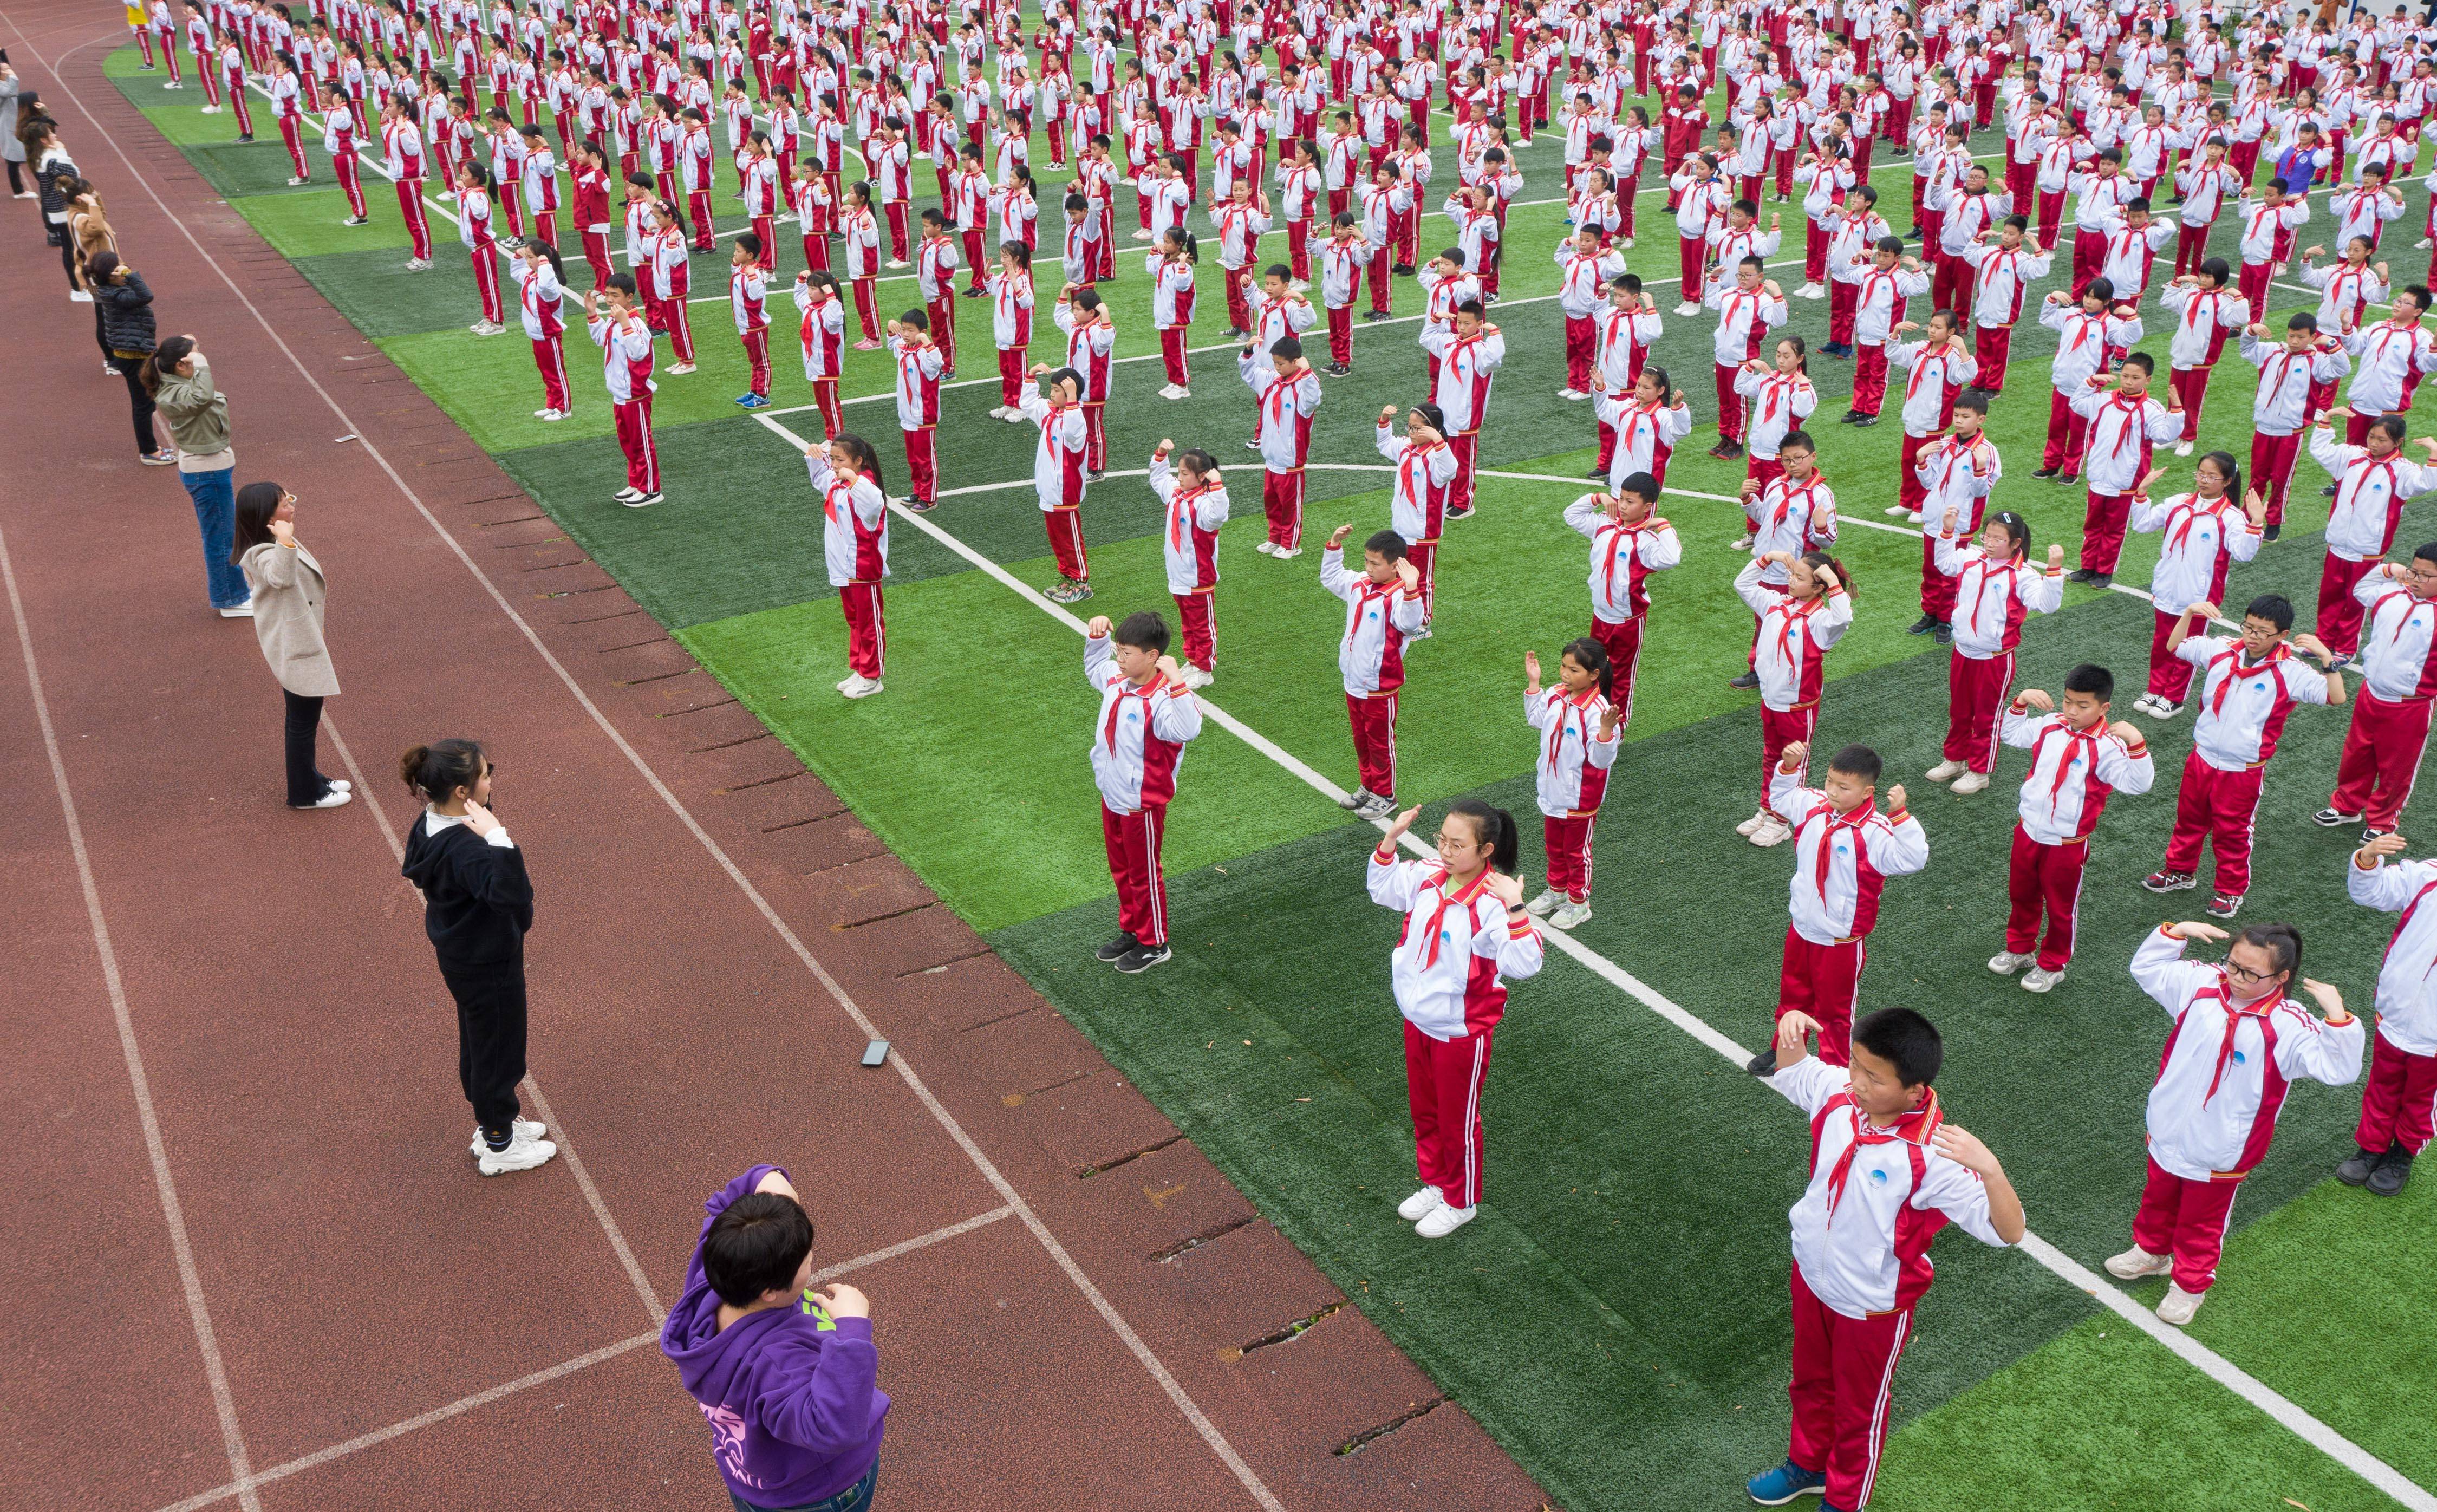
[{"x": 477, "y": 907}]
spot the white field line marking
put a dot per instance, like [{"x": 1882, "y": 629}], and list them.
[
  {"x": 1185, "y": 1404},
  {"x": 2217, "y": 1367},
  {"x": 165, "y": 1183},
  {"x": 566, "y": 1367}
]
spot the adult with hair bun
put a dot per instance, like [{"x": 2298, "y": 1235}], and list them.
[
  {"x": 477, "y": 907},
  {"x": 289, "y": 593},
  {"x": 1460, "y": 910}
]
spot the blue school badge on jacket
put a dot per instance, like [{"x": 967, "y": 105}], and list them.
[{"x": 1878, "y": 1175}]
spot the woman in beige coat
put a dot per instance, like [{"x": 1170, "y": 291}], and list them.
[{"x": 288, "y": 597}]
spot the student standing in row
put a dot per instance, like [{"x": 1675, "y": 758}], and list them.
[
  {"x": 1147, "y": 716},
  {"x": 845, "y": 471},
  {"x": 1577, "y": 723},
  {"x": 2238, "y": 1045},
  {"x": 1426, "y": 468},
  {"x": 1286, "y": 394},
  {"x": 920, "y": 367},
  {"x": 2396, "y": 1100},
  {"x": 1195, "y": 497},
  {"x": 478, "y": 905},
  {"x": 541, "y": 304},
  {"x": 1383, "y": 610},
  {"x": 289, "y": 593},
  {"x": 2204, "y": 534},
  {"x": 1057, "y": 475},
  {"x": 1888, "y": 1171},
  {"x": 2398, "y": 665},
  {"x": 1799, "y": 624},
  {"x": 1449, "y": 969},
  {"x": 1996, "y": 588},
  {"x": 1629, "y": 541},
  {"x": 626, "y": 342},
  {"x": 2078, "y": 761}
]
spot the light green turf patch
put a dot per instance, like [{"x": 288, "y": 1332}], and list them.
[{"x": 309, "y": 223}]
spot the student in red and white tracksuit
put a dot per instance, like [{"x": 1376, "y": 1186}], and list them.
[
  {"x": 2398, "y": 665},
  {"x": 288, "y": 106},
  {"x": 1938, "y": 369},
  {"x": 821, "y": 335},
  {"x": 402, "y": 146},
  {"x": 1147, "y": 717},
  {"x": 2125, "y": 422},
  {"x": 1585, "y": 270},
  {"x": 1010, "y": 297},
  {"x": 1996, "y": 588},
  {"x": 2205, "y": 532},
  {"x": 1091, "y": 339},
  {"x": 920, "y": 364},
  {"x": 1464, "y": 934},
  {"x": 2087, "y": 329},
  {"x": 1468, "y": 354},
  {"x": 1748, "y": 306},
  {"x": 1426, "y": 468},
  {"x": 625, "y": 341},
  {"x": 2248, "y": 688},
  {"x": 541, "y": 304},
  {"x": 1777, "y": 395},
  {"x": 855, "y": 546},
  {"x": 2078, "y": 761},
  {"x": 2206, "y": 313},
  {"x": 1952, "y": 477},
  {"x": 1887, "y": 1173},
  {"x": 2402, "y": 1087},
  {"x": 1844, "y": 851},
  {"x": 1620, "y": 339},
  {"x": 2373, "y": 481},
  {"x": 1629, "y": 541},
  {"x": 1577, "y": 721},
  {"x": 1195, "y": 499},
  {"x": 748, "y": 301},
  {"x": 338, "y": 140},
  {"x": 1058, "y": 477},
  {"x": 1286, "y": 394},
  {"x": 1383, "y": 606},
  {"x": 1799, "y": 624},
  {"x": 2291, "y": 372},
  {"x": 2237, "y": 1045}
]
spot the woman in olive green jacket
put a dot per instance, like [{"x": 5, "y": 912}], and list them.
[{"x": 179, "y": 378}]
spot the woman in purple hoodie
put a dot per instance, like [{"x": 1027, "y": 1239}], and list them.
[{"x": 788, "y": 1376}]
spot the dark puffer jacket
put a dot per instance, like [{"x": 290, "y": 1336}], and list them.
[{"x": 126, "y": 314}]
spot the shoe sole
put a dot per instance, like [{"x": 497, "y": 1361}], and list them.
[{"x": 1820, "y": 1490}]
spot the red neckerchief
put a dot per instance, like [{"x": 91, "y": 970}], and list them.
[
  {"x": 1447, "y": 900},
  {"x": 1108, "y": 733},
  {"x": 1852, "y": 821},
  {"x": 1179, "y": 510},
  {"x": 2086, "y": 741},
  {"x": 2242, "y": 669},
  {"x": 2234, "y": 1013},
  {"x": 1913, "y": 1128},
  {"x": 2193, "y": 511},
  {"x": 1578, "y": 703}
]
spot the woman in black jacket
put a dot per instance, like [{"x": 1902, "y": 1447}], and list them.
[
  {"x": 477, "y": 905},
  {"x": 124, "y": 304}
]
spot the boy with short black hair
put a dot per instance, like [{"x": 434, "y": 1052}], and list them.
[
  {"x": 1844, "y": 851},
  {"x": 786, "y": 1376},
  {"x": 1147, "y": 715},
  {"x": 1887, "y": 1173},
  {"x": 1383, "y": 610},
  {"x": 2078, "y": 760}
]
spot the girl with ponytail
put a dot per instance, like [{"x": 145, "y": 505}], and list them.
[
  {"x": 1577, "y": 720},
  {"x": 1462, "y": 911},
  {"x": 477, "y": 905},
  {"x": 1171, "y": 304},
  {"x": 541, "y": 304},
  {"x": 1997, "y": 587},
  {"x": 854, "y": 539},
  {"x": 2205, "y": 534}
]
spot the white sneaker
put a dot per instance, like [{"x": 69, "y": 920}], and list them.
[
  {"x": 1267, "y": 548},
  {"x": 2137, "y": 1263},
  {"x": 2423, "y": 244},
  {"x": 211, "y": 109},
  {"x": 860, "y": 687},
  {"x": 2040, "y": 979},
  {"x": 998, "y": 412},
  {"x": 2178, "y": 1304},
  {"x": 1760, "y": 817},
  {"x": 1563, "y": 393},
  {"x": 416, "y": 265},
  {"x": 521, "y": 1155},
  {"x": 1948, "y": 771},
  {"x": 1285, "y": 552},
  {"x": 1809, "y": 291},
  {"x": 550, "y": 416},
  {"x": 1688, "y": 308},
  {"x": 1896, "y": 511},
  {"x": 2182, "y": 448},
  {"x": 2007, "y": 963},
  {"x": 1539, "y": 906},
  {"x": 681, "y": 370},
  {"x": 1773, "y": 830},
  {"x": 1571, "y": 915},
  {"x": 1378, "y": 806},
  {"x": 239, "y": 611},
  {"x": 78, "y": 296},
  {"x": 628, "y": 495},
  {"x": 1017, "y": 417},
  {"x": 1626, "y": 243},
  {"x": 335, "y": 798},
  {"x": 520, "y": 1129},
  {"x": 1912, "y": 517},
  {"x": 642, "y": 501},
  {"x": 1421, "y": 1204},
  {"x": 1442, "y": 1221},
  {"x": 293, "y": 182},
  {"x": 1969, "y": 783},
  {"x": 898, "y": 262}
]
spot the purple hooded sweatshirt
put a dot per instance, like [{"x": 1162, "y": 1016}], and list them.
[{"x": 791, "y": 1393}]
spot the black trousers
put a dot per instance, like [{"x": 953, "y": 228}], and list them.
[
  {"x": 68, "y": 256},
  {"x": 139, "y": 403},
  {"x": 16, "y": 177},
  {"x": 305, "y": 784},
  {"x": 490, "y": 1041}
]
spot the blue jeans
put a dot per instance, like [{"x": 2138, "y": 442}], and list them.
[
  {"x": 854, "y": 1498},
  {"x": 215, "y": 497}
]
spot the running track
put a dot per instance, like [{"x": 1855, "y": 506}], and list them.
[{"x": 249, "y": 1263}]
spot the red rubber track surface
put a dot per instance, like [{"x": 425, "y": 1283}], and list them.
[{"x": 249, "y": 1260}]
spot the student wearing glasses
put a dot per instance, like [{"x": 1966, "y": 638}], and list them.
[{"x": 1465, "y": 934}]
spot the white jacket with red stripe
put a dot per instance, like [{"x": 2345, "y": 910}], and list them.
[
  {"x": 2407, "y": 991},
  {"x": 1457, "y": 948},
  {"x": 2213, "y": 1107},
  {"x": 2072, "y": 773},
  {"x": 1571, "y": 771},
  {"x": 1189, "y": 533},
  {"x": 1865, "y": 849},
  {"x": 1140, "y": 736},
  {"x": 1378, "y": 617}
]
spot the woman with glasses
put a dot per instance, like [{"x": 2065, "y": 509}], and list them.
[
  {"x": 1465, "y": 933},
  {"x": 2237, "y": 1044}
]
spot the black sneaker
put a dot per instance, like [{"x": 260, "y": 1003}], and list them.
[
  {"x": 2080, "y": 574},
  {"x": 2328, "y": 492},
  {"x": 1764, "y": 1064},
  {"x": 2046, "y": 472},
  {"x": 1746, "y": 683},
  {"x": 1727, "y": 451},
  {"x": 2355, "y": 1170},
  {"x": 1338, "y": 369},
  {"x": 2268, "y": 533},
  {"x": 1923, "y": 626},
  {"x": 2371, "y": 833},
  {"x": 2068, "y": 478},
  {"x": 1848, "y": 417},
  {"x": 1600, "y": 473},
  {"x": 1943, "y": 633},
  {"x": 2101, "y": 579},
  {"x": 1119, "y": 948},
  {"x": 1465, "y": 513},
  {"x": 2330, "y": 819},
  {"x": 2393, "y": 1171},
  {"x": 1867, "y": 421},
  {"x": 1142, "y": 959}
]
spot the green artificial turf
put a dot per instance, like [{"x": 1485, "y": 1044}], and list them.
[{"x": 1632, "y": 1248}]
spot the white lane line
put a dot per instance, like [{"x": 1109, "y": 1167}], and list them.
[
  {"x": 540, "y": 1378},
  {"x": 2217, "y": 1367},
  {"x": 1185, "y": 1404}
]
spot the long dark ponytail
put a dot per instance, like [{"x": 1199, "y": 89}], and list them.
[
  {"x": 1592, "y": 656},
  {"x": 1495, "y": 828}
]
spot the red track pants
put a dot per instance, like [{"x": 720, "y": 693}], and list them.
[
  {"x": 1823, "y": 981},
  {"x": 2216, "y": 806},
  {"x": 2382, "y": 751},
  {"x": 2397, "y": 1099},
  {"x": 2043, "y": 878},
  {"x": 2185, "y": 1219},
  {"x": 1568, "y": 842},
  {"x": 1373, "y": 720},
  {"x": 1442, "y": 1087},
  {"x": 1843, "y": 1383},
  {"x": 1132, "y": 841}
]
